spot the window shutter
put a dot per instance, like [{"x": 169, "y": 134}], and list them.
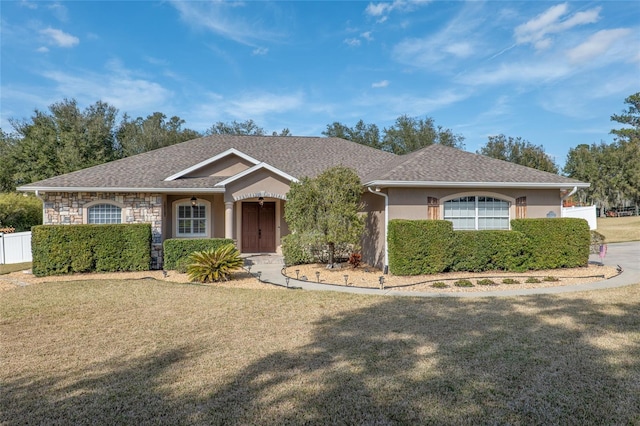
[
  {"x": 521, "y": 207},
  {"x": 433, "y": 208}
]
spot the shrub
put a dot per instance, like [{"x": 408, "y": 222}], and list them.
[
  {"x": 355, "y": 259},
  {"x": 550, "y": 279},
  {"x": 463, "y": 283},
  {"x": 597, "y": 239},
  {"x": 554, "y": 243},
  {"x": 214, "y": 265},
  {"x": 439, "y": 284},
  {"x": 62, "y": 249},
  {"x": 177, "y": 251},
  {"x": 20, "y": 212},
  {"x": 478, "y": 251},
  {"x": 532, "y": 280},
  {"x": 298, "y": 248},
  {"x": 419, "y": 246},
  {"x": 510, "y": 281},
  {"x": 485, "y": 281}
]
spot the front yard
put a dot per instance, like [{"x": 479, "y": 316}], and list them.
[{"x": 144, "y": 351}]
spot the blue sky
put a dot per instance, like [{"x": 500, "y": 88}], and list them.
[{"x": 549, "y": 72}]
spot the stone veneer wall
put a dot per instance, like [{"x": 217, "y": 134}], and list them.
[{"x": 64, "y": 208}]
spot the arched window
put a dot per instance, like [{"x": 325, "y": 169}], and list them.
[
  {"x": 477, "y": 212},
  {"x": 104, "y": 213}
]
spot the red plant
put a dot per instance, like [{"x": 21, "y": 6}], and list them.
[{"x": 355, "y": 259}]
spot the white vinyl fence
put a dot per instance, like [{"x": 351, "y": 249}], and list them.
[
  {"x": 15, "y": 248},
  {"x": 588, "y": 213}
]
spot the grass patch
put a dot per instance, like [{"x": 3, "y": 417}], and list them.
[
  {"x": 510, "y": 281},
  {"x": 485, "y": 281},
  {"x": 532, "y": 280},
  {"x": 148, "y": 352},
  {"x": 14, "y": 267},
  {"x": 439, "y": 284},
  {"x": 551, "y": 279},
  {"x": 619, "y": 229}
]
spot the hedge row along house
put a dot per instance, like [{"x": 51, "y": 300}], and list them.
[{"x": 227, "y": 186}]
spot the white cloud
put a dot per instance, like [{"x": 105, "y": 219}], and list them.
[
  {"x": 42, "y": 49},
  {"x": 552, "y": 21},
  {"x": 117, "y": 87},
  {"x": 597, "y": 45},
  {"x": 367, "y": 36},
  {"x": 383, "y": 9},
  {"x": 260, "y": 104},
  {"x": 352, "y": 42},
  {"x": 380, "y": 84},
  {"x": 59, "y": 37},
  {"x": 259, "y": 51},
  {"x": 216, "y": 17},
  {"x": 521, "y": 72}
]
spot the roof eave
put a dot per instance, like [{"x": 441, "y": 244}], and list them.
[
  {"x": 437, "y": 184},
  {"x": 44, "y": 189}
]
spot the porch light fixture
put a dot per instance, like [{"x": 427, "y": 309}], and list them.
[
  {"x": 261, "y": 201},
  {"x": 194, "y": 201}
]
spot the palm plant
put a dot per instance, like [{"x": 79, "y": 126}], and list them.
[{"x": 214, "y": 264}]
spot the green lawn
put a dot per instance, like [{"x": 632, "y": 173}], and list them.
[
  {"x": 620, "y": 229},
  {"x": 147, "y": 352},
  {"x": 13, "y": 267}
]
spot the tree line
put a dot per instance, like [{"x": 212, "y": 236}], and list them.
[
  {"x": 65, "y": 138},
  {"x": 612, "y": 169}
]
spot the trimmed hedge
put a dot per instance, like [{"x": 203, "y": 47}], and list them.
[
  {"x": 431, "y": 246},
  {"x": 419, "y": 246},
  {"x": 63, "y": 249},
  {"x": 555, "y": 243},
  {"x": 177, "y": 250},
  {"x": 477, "y": 251}
]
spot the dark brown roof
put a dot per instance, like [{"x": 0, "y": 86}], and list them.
[{"x": 298, "y": 157}]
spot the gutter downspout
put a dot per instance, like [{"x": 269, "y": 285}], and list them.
[
  {"x": 386, "y": 226},
  {"x": 573, "y": 191}
]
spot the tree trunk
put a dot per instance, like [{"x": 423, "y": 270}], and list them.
[{"x": 332, "y": 253}]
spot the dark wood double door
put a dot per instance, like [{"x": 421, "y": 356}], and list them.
[{"x": 259, "y": 227}]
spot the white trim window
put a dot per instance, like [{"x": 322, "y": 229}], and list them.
[
  {"x": 104, "y": 214},
  {"x": 191, "y": 221},
  {"x": 477, "y": 212}
]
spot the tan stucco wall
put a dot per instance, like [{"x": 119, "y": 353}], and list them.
[
  {"x": 261, "y": 183},
  {"x": 411, "y": 203},
  {"x": 62, "y": 208},
  {"x": 373, "y": 241},
  {"x": 228, "y": 166}
]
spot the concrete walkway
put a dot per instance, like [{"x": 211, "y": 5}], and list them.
[{"x": 627, "y": 255}]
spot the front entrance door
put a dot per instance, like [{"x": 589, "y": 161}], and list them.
[{"x": 258, "y": 227}]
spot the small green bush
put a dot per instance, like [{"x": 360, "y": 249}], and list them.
[
  {"x": 550, "y": 279},
  {"x": 485, "y": 281},
  {"x": 463, "y": 283},
  {"x": 297, "y": 249},
  {"x": 214, "y": 265},
  {"x": 510, "y": 281},
  {"x": 532, "y": 280},
  {"x": 177, "y": 250},
  {"x": 63, "y": 249},
  {"x": 439, "y": 284}
]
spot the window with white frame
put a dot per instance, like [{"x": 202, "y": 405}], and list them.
[
  {"x": 477, "y": 212},
  {"x": 104, "y": 213},
  {"x": 191, "y": 220}
]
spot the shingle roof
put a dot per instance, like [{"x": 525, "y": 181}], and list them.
[
  {"x": 442, "y": 164},
  {"x": 298, "y": 157}
]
